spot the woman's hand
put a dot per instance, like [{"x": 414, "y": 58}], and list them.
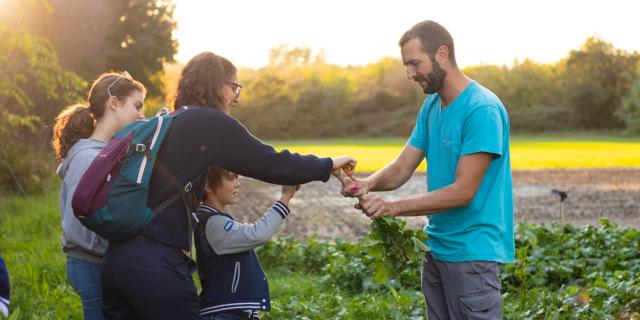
[{"x": 339, "y": 162}]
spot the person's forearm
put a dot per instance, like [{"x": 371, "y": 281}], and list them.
[
  {"x": 241, "y": 152},
  {"x": 390, "y": 177},
  {"x": 469, "y": 175},
  {"x": 245, "y": 236},
  {"x": 449, "y": 197}
]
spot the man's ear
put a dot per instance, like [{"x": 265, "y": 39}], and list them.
[{"x": 442, "y": 55}]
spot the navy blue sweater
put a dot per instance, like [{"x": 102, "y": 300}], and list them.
[{"x": 200, "y": 137}]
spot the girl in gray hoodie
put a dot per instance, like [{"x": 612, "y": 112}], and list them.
[{"x": 79, "y": 133}]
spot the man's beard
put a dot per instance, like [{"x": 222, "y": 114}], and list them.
[{"x": 434, "y": 79}]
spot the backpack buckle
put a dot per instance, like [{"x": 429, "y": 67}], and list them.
[
  {"x": 140, "y": 147},
  {"x": 163, "y": 111},
  {"x": 188, "y": 187},
  {"x": 195, "y": 217}
]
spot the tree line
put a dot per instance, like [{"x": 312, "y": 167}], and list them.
[{"x": 596, "y": 87}]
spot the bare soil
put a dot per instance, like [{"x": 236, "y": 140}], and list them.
[{"x": 318, "y": 208}]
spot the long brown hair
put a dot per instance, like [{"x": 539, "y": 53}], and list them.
[
  {"x": 78, "y": 121},
  {"x": 201, "y": 80}
]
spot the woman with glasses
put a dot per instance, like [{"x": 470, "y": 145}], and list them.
[
  {"x": 149, "y": 275},
  {"x": 79, "y": 133}
]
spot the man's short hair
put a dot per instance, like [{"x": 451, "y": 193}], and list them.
[{"x": 431, "y": 35}]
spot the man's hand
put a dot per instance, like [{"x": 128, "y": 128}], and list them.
[
  {"x": 469, "y": 174},
  {"x": 375, "y": 207},
  {"x": 352, "y": 187}
]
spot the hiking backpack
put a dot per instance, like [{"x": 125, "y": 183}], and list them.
[{"x": 111, "y": 197}]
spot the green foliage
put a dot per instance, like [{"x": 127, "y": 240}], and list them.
[
  {"x": 539, "y": 119},
  {"x": 564, "y": 272},
  {"x": 629, "y": 111},
  {"x": 144, "y": 29},
  {"x": 560, "y": 272},
  {"x": 522, "y": 86},
  {"x": 376, "y": 262},
  {"x": 94, "y": 37},
  {"x": 394, "y": 247},
  {"x": 33, "y": 87},
  {"x": 298, "y": 295},
  {"x": 596, "y": 78},
  {"x": 300, "y": 96},
  {"x": 531, "y": 93},
  {"x": 30, "y": 245}
]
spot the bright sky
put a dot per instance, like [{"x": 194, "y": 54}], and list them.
[{"x": 358, "y": 32}]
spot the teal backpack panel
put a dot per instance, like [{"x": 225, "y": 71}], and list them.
[{"x": 111, "y": 198}]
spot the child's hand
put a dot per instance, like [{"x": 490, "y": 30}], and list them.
[{"x": 287, "y": 193}]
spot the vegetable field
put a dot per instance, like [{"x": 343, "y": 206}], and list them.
[{"x": 561, "y": 272}]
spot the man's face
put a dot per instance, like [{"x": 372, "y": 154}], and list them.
[{"x": 421, "y": 67}]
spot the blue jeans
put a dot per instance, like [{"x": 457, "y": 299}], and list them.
[{"x": 84, "y": 277}]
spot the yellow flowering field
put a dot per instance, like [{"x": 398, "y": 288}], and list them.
[{"x": 527, "y": 152}]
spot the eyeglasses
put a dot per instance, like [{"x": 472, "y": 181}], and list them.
[
  {"x": 237, "y": 88},
  {"x": 125, "y": 75}
]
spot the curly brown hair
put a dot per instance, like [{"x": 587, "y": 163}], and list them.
[
  {"x": 201, "y": 80},
  {"x": 78, "y": 121}
]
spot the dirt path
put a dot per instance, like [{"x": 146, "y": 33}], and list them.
[{"x": 594, "y": 193}]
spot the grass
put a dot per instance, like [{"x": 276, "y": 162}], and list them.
[
  {"x": 584, "y": 150},
  {"x": 30, "y": 245}
]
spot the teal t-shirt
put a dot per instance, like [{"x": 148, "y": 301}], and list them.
[{"x": 476, "y": 121}]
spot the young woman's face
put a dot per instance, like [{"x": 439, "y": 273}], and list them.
[
  {"x": 230, "y": 94},
  {"x": 128, "y": 110},
  {"x": 227, "y": 191}
]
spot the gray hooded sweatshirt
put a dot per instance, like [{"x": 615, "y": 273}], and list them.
[{"x": 78, "y": 241}]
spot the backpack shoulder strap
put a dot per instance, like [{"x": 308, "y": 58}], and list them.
[{"x": 167, "y": 202}]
